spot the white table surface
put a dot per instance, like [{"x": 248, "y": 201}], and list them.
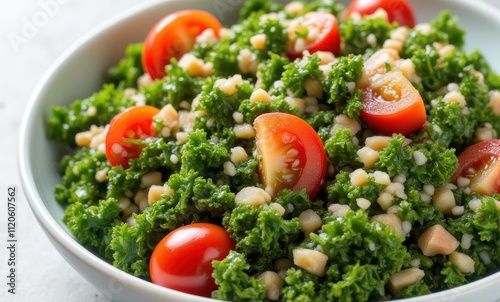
[{"x": 42, "y": 274}]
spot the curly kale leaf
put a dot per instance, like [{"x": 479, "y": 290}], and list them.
[
  {"x": 251, "y": 110},
  {"x": 439, "y": 165},
  {"x": 128, "y": 255},
  {"x": 329, "y": 6},
  {"x": 487, "y": 221},
  {"x": 246, "y": 175},
  {"x": 176, "y": 87},
  {"x": 133, "y": 245},
  {"x": 300, "y": 286},
  {"x": 97, "y": 109},
  {"x": 444, "y": 29},
  {"x": 345, "y": 72},
  {"x": 224, "y": 54},
  {"x": 156, "y": 156},
  {"x": 201, "y": 155},
  {"x": 220, "y": 106},
  {"x": 129, "y": 68},
  {"x": 342, "y": 151},
  {"x": 419, "y": 288},
  {"x": 483, "y": 227},
  {"x": 359, "y": 283},
  {"x": 359, "y": 272},
  {"x": 446, "y": 26},
  {"x": 437, "y": 71},
  {"x": 480, "y": 64},
  {"x": 321, "y": 121},
  {"x": 261, "y": 233},
  {"x": 258, "y": 7},
  {"x": 92, "y": 226},
  {"x": 294, "y": 202},
  {"x": 235, "y": 284},
  {"x": 79, "y": 184},
  {"x": 194, "y": 199},
  {"x": 419, "y": 213},
  {"x": 449, "y": 125},
  {"x": 349, "y": 238},
  {"x": 299, "y": 72},
  {"x": 355, "y": 35},
  {"x": 271, "y": 70},
  {"x": 210, "y": 198},
  {"x": 344, "y": 192}
]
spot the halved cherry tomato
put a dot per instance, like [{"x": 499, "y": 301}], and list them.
[
  {"x": 126, "y": 133},
  {"x": 480, "y": 163},
  {"x": 392, "y": 105},
  {"x": 173, "y": 36},
  {"x": 292, "y": 154},
  {"x": 320, "y": 31},
  {"x": 182, "y": 260},
  {"x": 399, "y": 11}
]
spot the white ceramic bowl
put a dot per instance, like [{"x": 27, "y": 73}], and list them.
[{"x": 80, "y": 72}]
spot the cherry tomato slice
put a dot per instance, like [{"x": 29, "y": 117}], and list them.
[
  {"x": 126, "y": 133},
  {"x": 480, "y": 163},
  {"x": 182, "y": 260},
  {"x": 399, "y": 11},
  {"x": 392, "y": 105},
  {"x": 172, "y": 37},
  {"x": 322, "y": 35},
  {"x": 292, "y": 154}
]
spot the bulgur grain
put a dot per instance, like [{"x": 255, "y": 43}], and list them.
[{"x": 244, "y": 131}]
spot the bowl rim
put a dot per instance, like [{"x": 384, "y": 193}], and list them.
[{"x": 55, "y": 232}]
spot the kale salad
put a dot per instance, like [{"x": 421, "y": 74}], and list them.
[{"x": 309, "y": 152}]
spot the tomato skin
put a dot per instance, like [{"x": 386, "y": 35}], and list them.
[
  {"x": 173, "y": 36},
  {"x": 481, "y": 164},
  {"x": 132, "y": 123},
  {"x": 292, "y": 154},
  {"x": 400, "y": 112},
  {"x": 328, "y": 38},
  {"x": 182, "y": 260},
  {"x": 399, "y": 11}
]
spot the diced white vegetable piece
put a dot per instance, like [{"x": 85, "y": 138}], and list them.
[
  {"x": 391, "y": 220},
  {"x": 437, "y": 240},
  {"x": 273, "y": 284},
  {"x": 463, "y": 261},
  {"x": 444, "y": 200},
  {"x": 405, "y": 278},
  {"x": 252, "y": 196},
  {"x": 152, "y": 178},
  {"x": 310, "y": 260},
  {"x": 310, "y": 221}
]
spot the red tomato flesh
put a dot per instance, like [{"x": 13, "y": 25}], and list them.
[
  {"x": 480, "y": 163},
  {"x": 392, "y": 105},
  {"x": 399, "y": 11},
  {"x": 326, "y": 38},
  {"x": 126, "y": 133},
  {"x": 182, "y": 260},
  {"x": 292, "y": 154},
  {"x": 172, "y": 37}
]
